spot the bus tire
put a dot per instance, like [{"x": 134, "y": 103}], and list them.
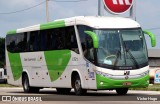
[
  {"x": 122, "y": 91},
  {"x": 26, "y": 87},
  {"x": 78, "y": 87},
  {"x": 63, "y": 90}
]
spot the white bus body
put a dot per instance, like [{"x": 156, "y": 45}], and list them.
[{"x": 63, "y": 68}]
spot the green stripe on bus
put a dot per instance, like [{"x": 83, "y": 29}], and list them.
[
  {"x": 51, "y": 25},
  {"x": 57, "y": 62},
  {"x": 11, "y": 32},
  {"x": 15, "y": 64},
  {"x": 113, "y": 83}
]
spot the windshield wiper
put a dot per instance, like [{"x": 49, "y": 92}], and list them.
[
  {"x": 133, "y": 58},
  {"x": 117, "y": 56}
]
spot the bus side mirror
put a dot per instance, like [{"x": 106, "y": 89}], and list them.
[
  {"x": 152, "y": 37},
  {"x": 94, "y": 38}
]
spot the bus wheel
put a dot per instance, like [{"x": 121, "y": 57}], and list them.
[
  {"x": 63, "y": 90},
  {"x": 122, "y": 91},
  {"x": 26, "y": 86},
  {"x": 77, "y": 86}
]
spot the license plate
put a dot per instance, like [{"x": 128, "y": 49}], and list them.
[{"x": 127, "y": 83}]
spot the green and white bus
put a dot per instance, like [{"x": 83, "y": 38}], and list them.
[{"x": 84, "y": 53}]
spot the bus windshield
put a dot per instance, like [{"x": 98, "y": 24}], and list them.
[{"x": 121, "y": 48}]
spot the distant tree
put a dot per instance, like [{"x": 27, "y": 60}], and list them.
[{"x": 2, "y": 51}]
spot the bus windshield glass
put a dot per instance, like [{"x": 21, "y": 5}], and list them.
[{"x": 121, "y": 48}]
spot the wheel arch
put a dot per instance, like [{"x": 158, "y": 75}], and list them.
[
  {"x": 75, "y": 72},
  {"x": 26, "y": 72}
]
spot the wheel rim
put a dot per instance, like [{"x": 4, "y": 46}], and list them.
[
  {"x": 77, "y": 85},
  {"x": 25, "y": 84}
]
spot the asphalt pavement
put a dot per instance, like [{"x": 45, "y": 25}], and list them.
[{"x": 49, "y": 95}]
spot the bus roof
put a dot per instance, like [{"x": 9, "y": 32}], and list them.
[{"x": 92, "y": 21}]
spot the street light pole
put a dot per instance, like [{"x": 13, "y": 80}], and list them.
[{"x": 47, "y": 11}]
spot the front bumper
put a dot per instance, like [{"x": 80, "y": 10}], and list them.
[{"x": 107, "y": 83}]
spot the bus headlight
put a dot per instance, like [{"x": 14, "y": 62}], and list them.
[{"x": 145, "y": 73}]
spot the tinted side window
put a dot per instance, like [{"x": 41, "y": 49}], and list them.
[
  {"x": 86, "y": 42},
  {"x": 32, "y": 41},
  {"x": 71, "y": 40},
  {"x": 21, "y": 42},
  {"x": 51, "y": 40},
  {"x": 16, "y": 43},
  {"x": 59, "y": 39},
  {"x": 43, "y": 40},
  {"x": 10, "y": 43},
  {"x": 83, "y": 36}
]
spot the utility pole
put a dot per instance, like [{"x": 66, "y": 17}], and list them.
[
  {"x": 47, "y": 11},
  {"x": 100, "y": 7}
]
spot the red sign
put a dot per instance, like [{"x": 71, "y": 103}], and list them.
[{"x": 118, "y": 6}]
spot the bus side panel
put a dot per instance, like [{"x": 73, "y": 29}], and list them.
[
  {"x": 14, "y": 68},
  {"x": 50, "y": 74},
  {"x": 48, "y": 69},
  {"x": 34, "y": 64},
  {"x": 77, "y": 64},
  {"x": 56, "y": 62},
  {"x": 60, "y": 66},
  {"x": 91, "y": 75},
  {"x": 86, "y": 71}
]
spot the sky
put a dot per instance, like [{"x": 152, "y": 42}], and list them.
[{"x": 147, "y": 14}]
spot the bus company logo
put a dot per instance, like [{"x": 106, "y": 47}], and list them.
[
  {"x": 126, "y": 72},
  {"x": 126, "y": 77},
  {"x": 118, "y": 6}
]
